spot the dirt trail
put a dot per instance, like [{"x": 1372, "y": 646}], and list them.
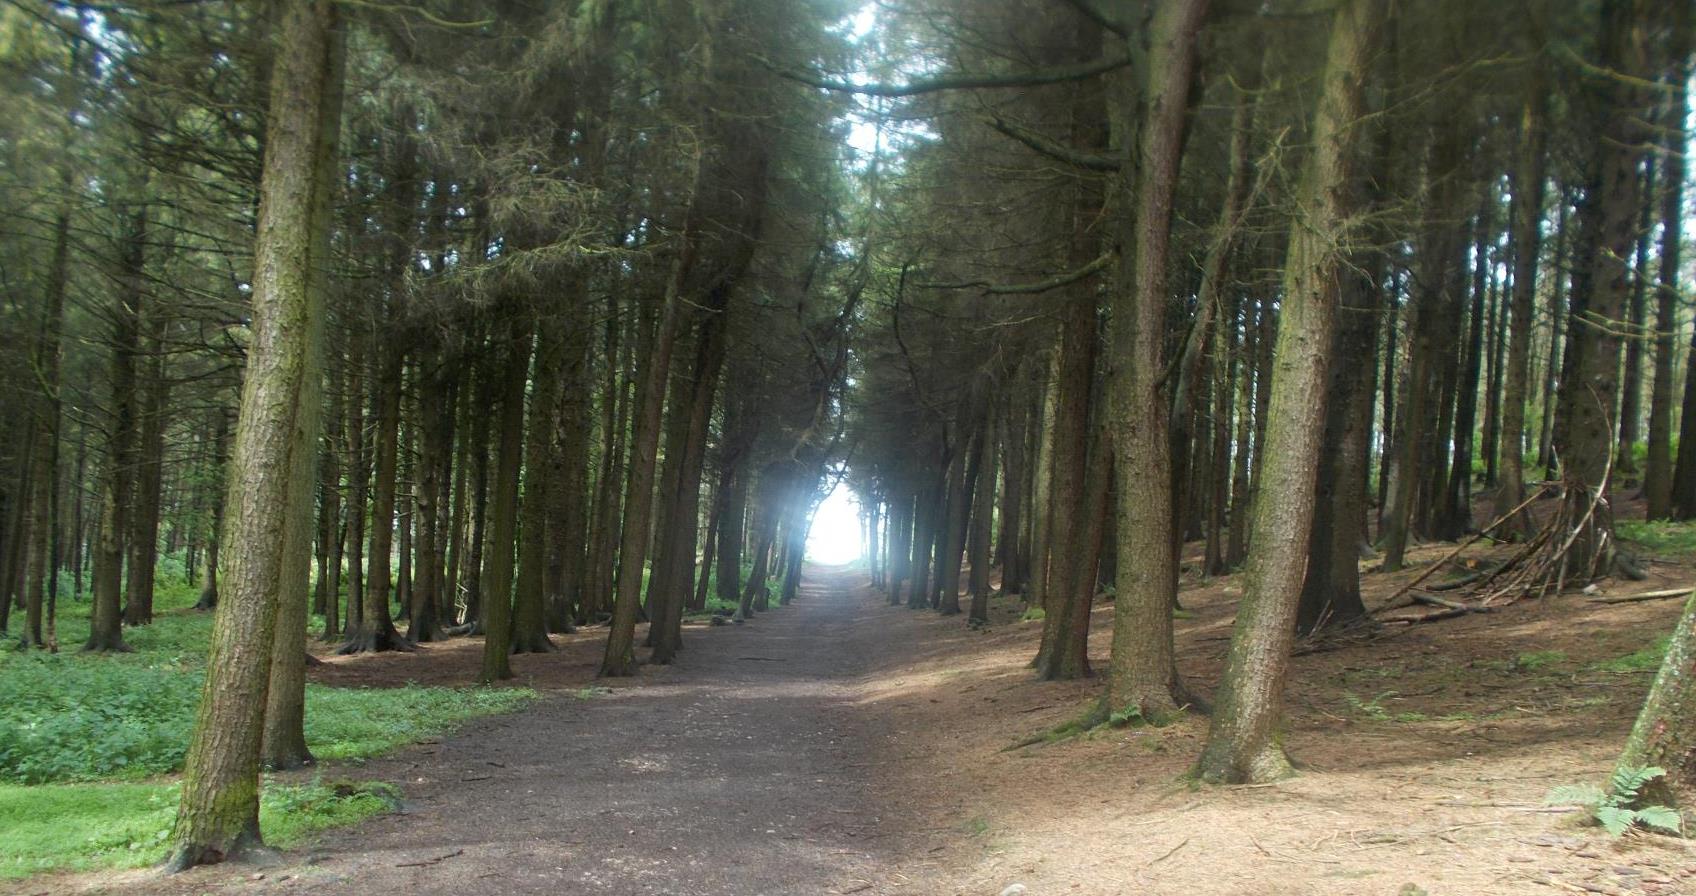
[
  {"x": 724, "y": 774},
  {"x": 843, "y": 746}
]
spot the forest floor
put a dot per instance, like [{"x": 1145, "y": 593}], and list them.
[{"x": 841, "y": 746}]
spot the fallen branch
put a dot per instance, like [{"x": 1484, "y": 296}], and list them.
[
  {"x": 1665, "y": 594},
  {"x": 1391, "y": 604},
  {"x": 435, "y": 861},
  {"x": 1429, "y": 617},
  {"x": 1169, "y": 853},
  {"x": 1455, "y": 605}
]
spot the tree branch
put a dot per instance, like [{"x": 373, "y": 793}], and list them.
[
  {"x": 1088, "y": 10},
  {"x": 1053, "y": 148},
  {"x": 1052, "y": 283},
  {"x": 963, "y": 81}
]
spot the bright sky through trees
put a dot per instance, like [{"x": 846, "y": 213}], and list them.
[{"x": 835, "y": 536}]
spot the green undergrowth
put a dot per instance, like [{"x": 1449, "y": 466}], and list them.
[
  {"x": 716, "y": 606},
  {"x": 1375, "y": 710},
  {"x": 1659, "y": 536},
  {"x": 1646, "y": 659},
  {"x": 88, "y": 741},
  {"x": 88, "y": 827},
  {"x": 87, "y": 718}
]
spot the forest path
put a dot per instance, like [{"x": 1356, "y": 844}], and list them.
[{"x": 733, "y": 772}]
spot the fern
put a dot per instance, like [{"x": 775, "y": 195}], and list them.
[
  {"x": 1130, "y": 715},
  {"x": 1612, "y": 808}
]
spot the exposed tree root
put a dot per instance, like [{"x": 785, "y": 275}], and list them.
[
  {"x": 538, "y": 642},
  {"x": 364, "y": 640}
]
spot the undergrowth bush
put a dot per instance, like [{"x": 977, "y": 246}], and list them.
[
  {"x": 79, "y": 721},
  {"x": 68, "y": 718}
]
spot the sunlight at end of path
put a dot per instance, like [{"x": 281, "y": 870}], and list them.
[{"x": 835, "y": 536}]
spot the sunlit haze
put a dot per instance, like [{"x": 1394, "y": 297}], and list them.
[{"x": 835, "y": 538}]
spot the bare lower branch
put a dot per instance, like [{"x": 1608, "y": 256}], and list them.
[
  {"x": 1052, "y": 148},
  {"x": 964, "y": 81},
  {"x": 1040, "y": 286}
]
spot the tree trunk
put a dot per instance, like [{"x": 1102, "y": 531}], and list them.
[
  {"x": 375, "y": 630},
  {"x": 434, "y": 467},
  {"x": 1042, "y": 490},
  {"x": 328, "y": 598},
  {"x": 219, "y": 812},
  {"x": 982, "y": 522},
  {"x": 149, "y": 470},
  {"x": 1631, "y": 376},
  {"x": 529, "y": 618},
  {"x": 1526, "y": 185},
  {"x": 952, "y": 539},
  {"x": 44, "y": 451},
  {"x": 1665, "y": 733},
  {"x": 683, "y": 521},
  {"x": 1330, "y": 596},
  {"x": 1143, "y": 673},
  {"x": 215, "y": 532},
  {"x": 1432, "y": 311},
  {"x": 509, "y": 458},
  {"x": 568, "y": 516},
  {"x": 620, "y": 658},
  {"x": 1658, "y": 479},
  {"x": 1557, "y": 326},
  {"x": 1607, "y": 224},
  {"x": 459, "y": 471},
  {"x": 1009, "y": 553},
  {"x": 106, "y": 621},
  {"x": 1457, "y": 501},
  {"x": 485, "y": 394},
  {"x": 1242, "y": 744},
  {"x": 733, "y": 492},
  {"x": 283, "y": 744}
]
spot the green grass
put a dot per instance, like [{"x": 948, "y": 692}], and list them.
[
  {"x": 71, "y": 717},
  {"x": 87, "y": 740},
  {"x": 714, "y": 604},
  {"x": 1659, "y": 536},
  {"x": 347, "y": 723},
  {"x": 1648, "y": 659},
  {"x": 87, "y": 827},
  {"x": 1538, "y": 659}
]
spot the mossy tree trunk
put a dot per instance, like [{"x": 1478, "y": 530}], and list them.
[
  {"x": 1242, "y": 743},
  {"x": 1658, "y": 470},
  {"x": 1607, "y": 224},
  {"x": 1150, "y": 120},
  {"x": 1665, "y": 733},
  {"x": 219, "y": 812},
  {"x": 284, "y": 742}
]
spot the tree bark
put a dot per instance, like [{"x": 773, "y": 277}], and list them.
[
  {"x": 1242, "y": 745},
  {"x": 105, "y": 618},
  {"x": 1151, "y": 123},
  {"x": 503, "y": 525},
  {"x": 1658, "y": 478},
  {"x": 1526, "y": 186},
  {"x": 529, "y": 618},
  {"x": 219, "y": 812},
  {"x": 1665, "y": 733},
  {"x": 1607, "y": 224}
]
